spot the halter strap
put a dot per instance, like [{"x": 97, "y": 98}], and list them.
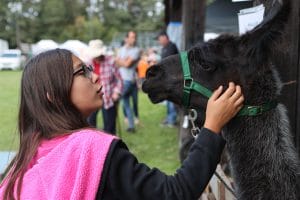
[
  {"x": 257, "y": 110},
  {"x": 189, "y": 84}
]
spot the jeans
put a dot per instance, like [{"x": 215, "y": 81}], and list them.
[
  {"x": 130, "y": 90},
  {"x": 174, "y": 30},
  {"x": 171, "y": 113},
  {"x": 109, "y": 119},
  {"x": 92, "y": 119},
  {"x": 135, "y": 107}
]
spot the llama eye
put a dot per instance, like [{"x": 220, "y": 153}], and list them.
[{"x": 206, "y": 67}]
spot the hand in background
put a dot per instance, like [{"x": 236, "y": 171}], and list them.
[
  {"x": 221, "y": 108},
  {"x": 115, "y": 96}
]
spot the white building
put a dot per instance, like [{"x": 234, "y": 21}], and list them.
[{"x": 3, "y": 45}]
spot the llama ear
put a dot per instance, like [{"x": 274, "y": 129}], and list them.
[
  {"x": 204, "y": 64},
  {"x": 261, "y": 40}
]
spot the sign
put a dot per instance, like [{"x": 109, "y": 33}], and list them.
[{"x": 250, "y": 17}]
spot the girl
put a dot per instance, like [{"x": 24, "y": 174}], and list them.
[{"x": 60, "y": 157}]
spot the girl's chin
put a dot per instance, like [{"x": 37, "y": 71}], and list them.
[
  {"x": 88, "y": 113},
  {"x": 100, "y": 105}
]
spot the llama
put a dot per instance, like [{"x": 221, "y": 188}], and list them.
[{"x": 264, "y": 161}]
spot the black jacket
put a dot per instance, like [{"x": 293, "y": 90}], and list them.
[
  {"x": 168, "y": 50},
  {"x": 125, "y": 178}
]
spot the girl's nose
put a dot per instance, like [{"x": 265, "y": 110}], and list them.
[{"x": 95, "y": 78}]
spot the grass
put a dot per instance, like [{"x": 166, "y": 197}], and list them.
[
  {"x": 9, "y": 101},
  {"x": 153, "y": 145}
]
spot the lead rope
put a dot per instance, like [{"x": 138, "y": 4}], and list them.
[{"x": 195, "y": 130}]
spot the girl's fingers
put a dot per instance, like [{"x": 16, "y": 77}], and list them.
[
  {"x": 239, "y": 101},
  {"x": 238, "y": 109},
  {"x": 230, "y": 90},
  {"x": 217, "y": 93},
  {"x": 237, "y": 94}
]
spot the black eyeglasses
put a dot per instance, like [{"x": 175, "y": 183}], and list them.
[{"x": 86, "y": 71}]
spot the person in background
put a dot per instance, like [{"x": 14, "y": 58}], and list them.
[
  {"x": 173, "y": 20},
  {"x": 104, "y": 66},
  {"x": 168, "y": 49},
  {"x": 142, "y": 67},
  {"x": 153, "y": 56},
  {"x": 61, "y": 157},
  {"x": 127, "y": 58}
]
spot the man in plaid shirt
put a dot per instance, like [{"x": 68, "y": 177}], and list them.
[{"x": 112, "y": 83}]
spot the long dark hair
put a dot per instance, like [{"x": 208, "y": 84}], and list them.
[{"x": 45, "y": 110}]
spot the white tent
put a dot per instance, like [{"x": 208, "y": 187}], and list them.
[
  {"x": 43, "y": 45},
  {"x": 77, "y": 47}
]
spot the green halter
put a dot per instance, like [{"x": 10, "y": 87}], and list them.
[{"x": 190, "y": 84}]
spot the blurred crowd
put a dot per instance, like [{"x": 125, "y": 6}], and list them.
[{"x": 121, "y": 73}]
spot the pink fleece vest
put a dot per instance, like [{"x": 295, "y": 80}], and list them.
[{"x": 66, "y": 167}]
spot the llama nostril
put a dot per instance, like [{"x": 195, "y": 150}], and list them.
[
  {"x": 150, "y": 73},
  {"x": 153, "y": 71}
]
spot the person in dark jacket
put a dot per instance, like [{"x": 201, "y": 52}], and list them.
[
  {"x": 168, "y": 49},
  {"x": 60, "y": 157}
]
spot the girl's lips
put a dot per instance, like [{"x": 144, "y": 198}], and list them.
[{"x": 99, "y": 90}]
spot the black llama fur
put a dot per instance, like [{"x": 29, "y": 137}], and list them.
[{"x": 264, "y": 161}]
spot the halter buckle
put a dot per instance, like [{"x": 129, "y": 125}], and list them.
[
  {"x": 255, "y": 110},
  {"x": 187, "y": 83}
]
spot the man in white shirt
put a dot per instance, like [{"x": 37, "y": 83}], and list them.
[{"x": 126, "y": 60}]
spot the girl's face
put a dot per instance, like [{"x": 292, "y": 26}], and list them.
[{"x": 86, "y": 91}]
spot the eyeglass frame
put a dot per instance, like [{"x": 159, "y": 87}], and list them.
[{"x": 87, "y": 71}]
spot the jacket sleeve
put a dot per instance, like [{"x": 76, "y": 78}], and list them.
[{"x": 128, "y": 179}]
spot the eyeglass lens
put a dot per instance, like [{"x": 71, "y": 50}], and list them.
[{"x": 87, "y": 71}]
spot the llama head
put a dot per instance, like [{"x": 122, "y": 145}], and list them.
[{"x": 244, "y": 60}]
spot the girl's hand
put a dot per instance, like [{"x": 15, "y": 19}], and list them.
[{"x": 223, "y": 107}]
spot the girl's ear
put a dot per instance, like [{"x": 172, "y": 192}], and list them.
[{"x": 48, "y": 97}]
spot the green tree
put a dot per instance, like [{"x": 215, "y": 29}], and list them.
[
  {"x": 124, "y": 15},
  {"x": 7, "y": 22},
  {"x": 56, "y": 16},
  {"x": 32, "y": 20}
]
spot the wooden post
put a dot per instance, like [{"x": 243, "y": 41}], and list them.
[
  {"x": 296, "y": 34},
  {"x": 193, "y": 22},
  {"x": 173, "y": 11},
  {"x": 218, "y": 188},
  {"x": 290, "y": 72},
  {"x": 193, "y": 25},
  {"x": 167, "y": 12},
  {"x": 192, "y": 16},
  {"x": 287, "y": 62}
]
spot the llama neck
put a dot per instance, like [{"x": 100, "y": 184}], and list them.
[
  {"x": 262, "y": 156},
  {"x": 262, "y": 87}
]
